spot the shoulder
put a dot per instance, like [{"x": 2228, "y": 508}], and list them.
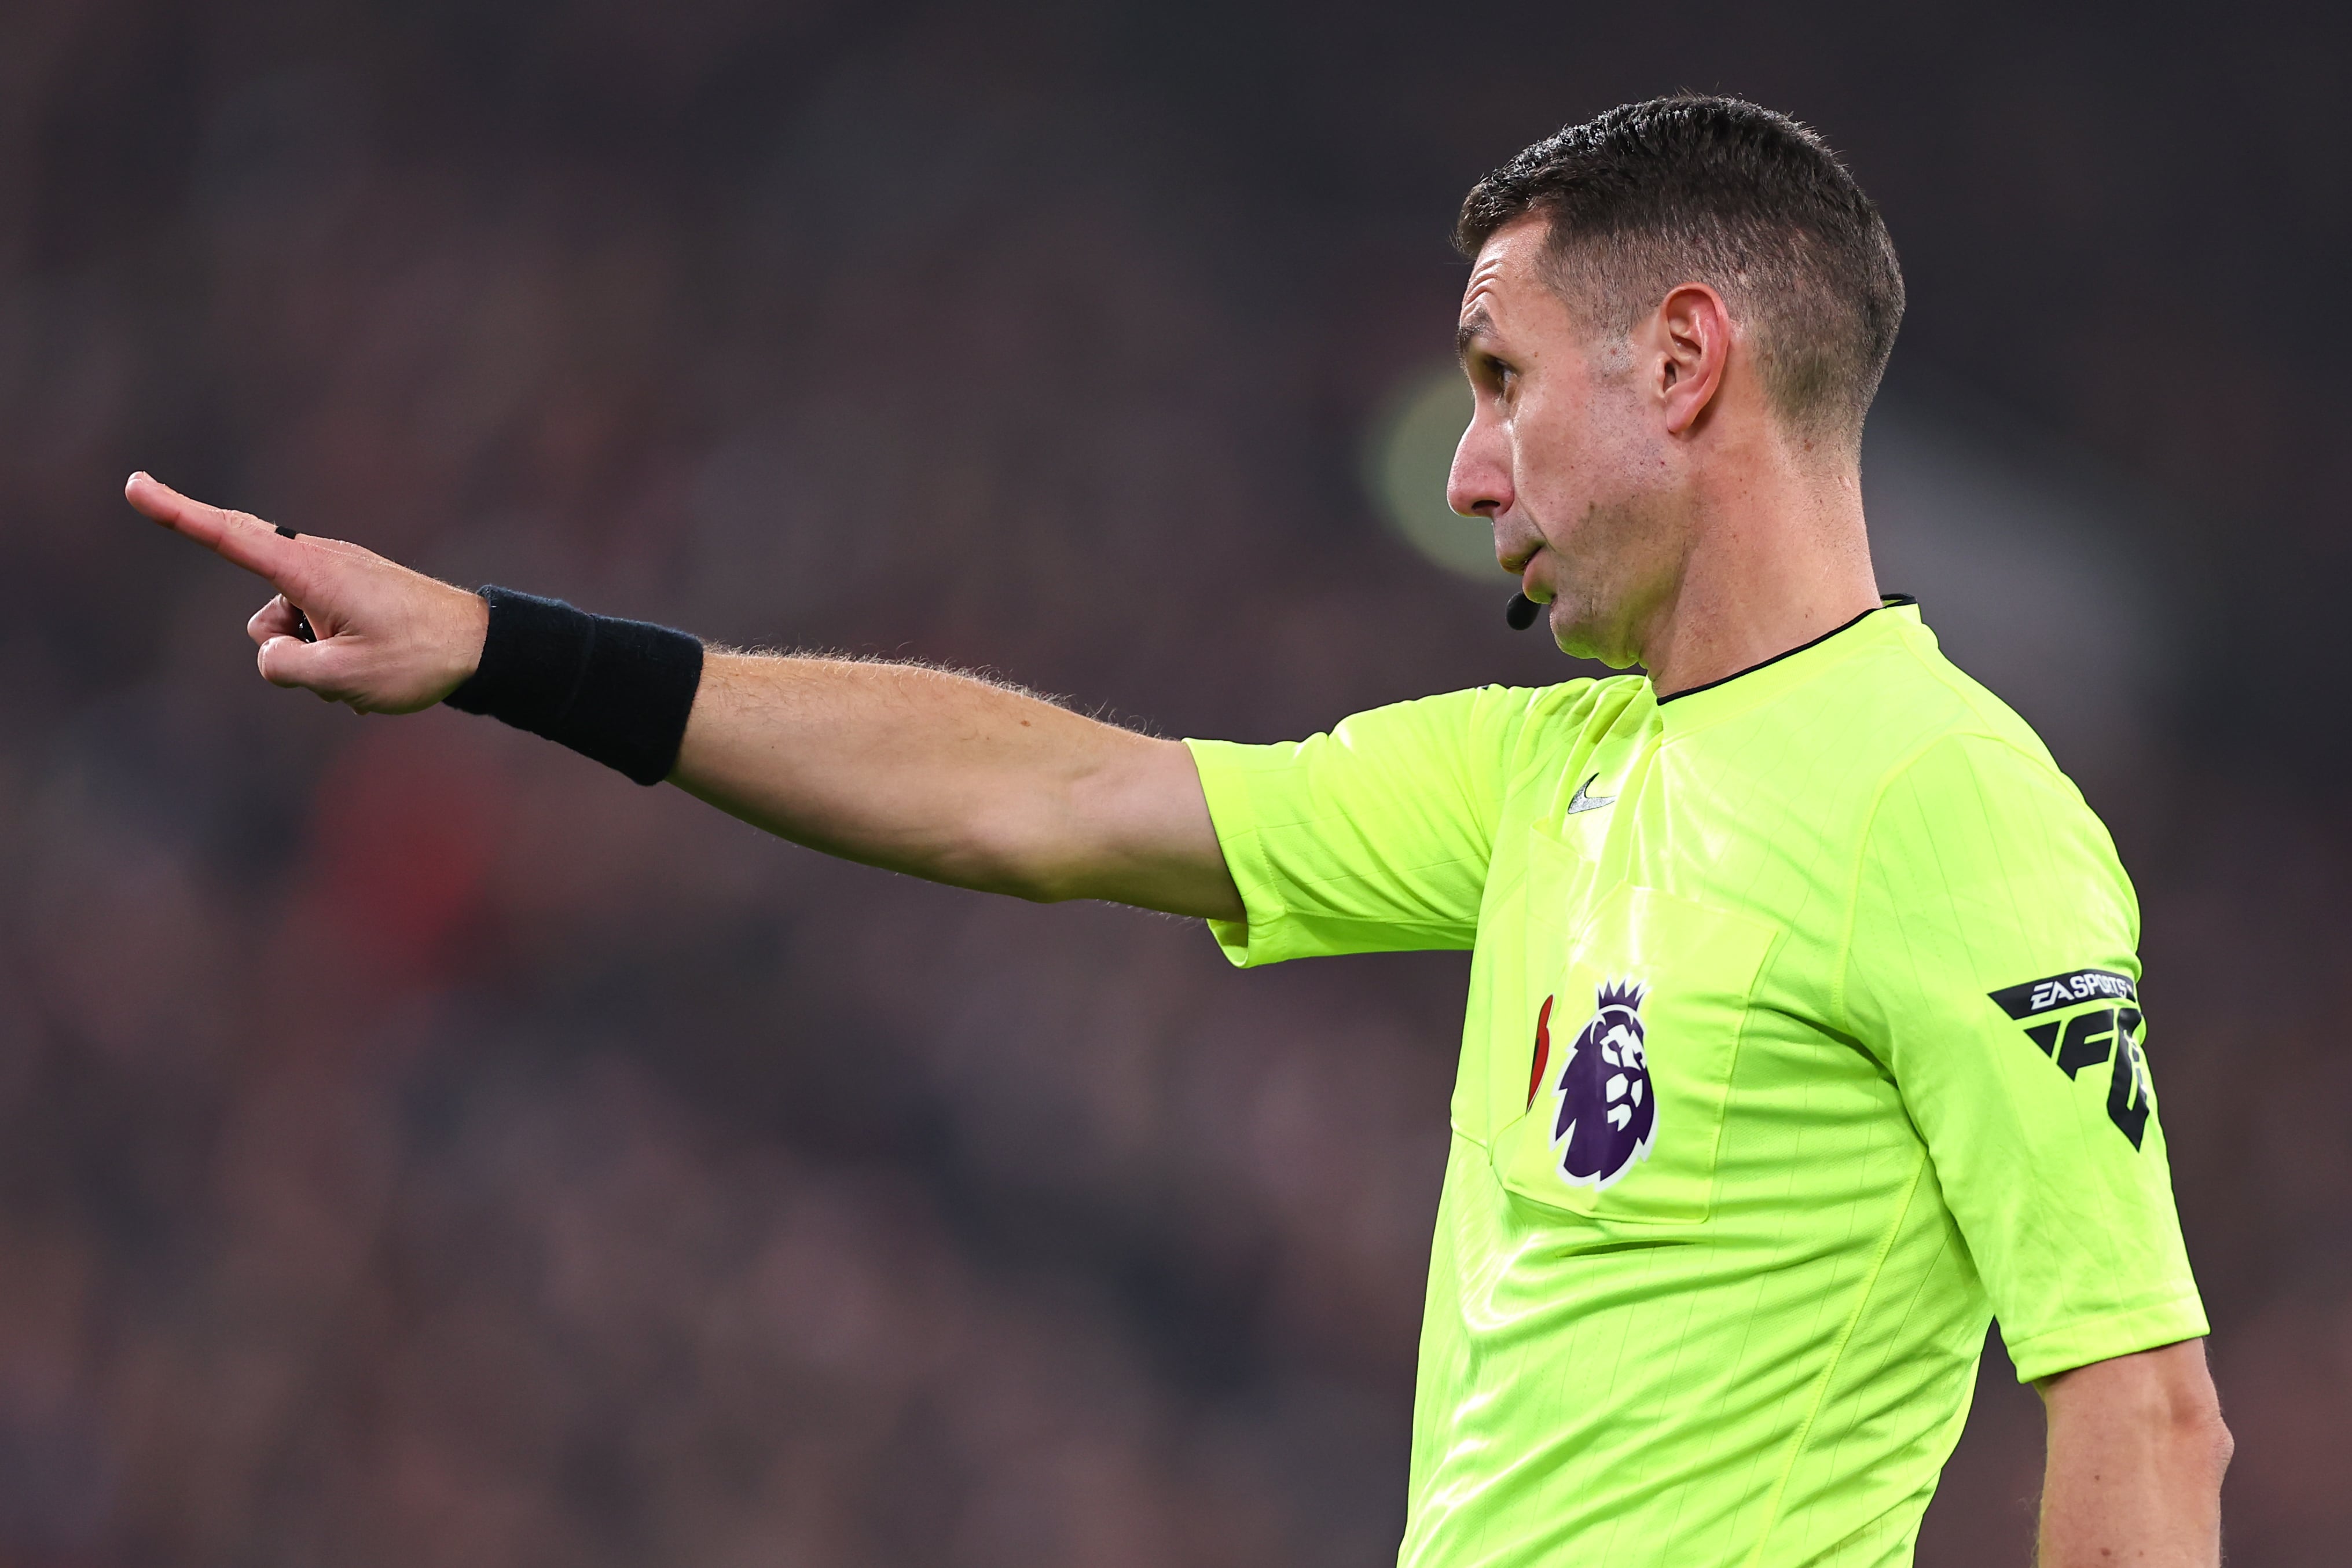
[
  {"x": 1964, "y": 793},
  {"x": 1491, "y": 720},
  {"x": 1566, "y": 701},
  {"x": 1967, "y": 752},
  {"x": 1910, "y": 717},
  {"x": 1981, "y": 858},
  {"x": 1991, "y": 830},
  {"x": 1965, "y": 781},
  {"x": 1468, "y": 743}
]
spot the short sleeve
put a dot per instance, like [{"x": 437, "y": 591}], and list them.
[
  {"x": 1374, "y": 837},
  {"x": 1991, "y": 969}
]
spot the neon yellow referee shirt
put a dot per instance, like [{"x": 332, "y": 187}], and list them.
[{"x": 1803, "y": 1037}]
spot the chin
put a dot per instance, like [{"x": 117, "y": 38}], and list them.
[{"x": 1579, "y": 640}]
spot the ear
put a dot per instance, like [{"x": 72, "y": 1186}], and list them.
[{"x": 1692, "y": 335}]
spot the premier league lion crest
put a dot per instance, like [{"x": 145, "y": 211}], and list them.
[{"x": 1608, "y": 1115}]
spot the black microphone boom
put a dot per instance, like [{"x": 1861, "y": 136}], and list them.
[{"x": 1520, "y": 612}]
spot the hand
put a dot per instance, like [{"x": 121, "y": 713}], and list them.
[{"x": 389, "y": 640}]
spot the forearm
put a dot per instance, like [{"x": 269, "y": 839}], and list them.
[
  {"x": 954, "y": 780},
  {"x": 2137, "y": 1453},
  {"x": 916, "y": 770}
]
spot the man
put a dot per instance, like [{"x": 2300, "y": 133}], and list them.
[{"x": 1803, "y": 1030}]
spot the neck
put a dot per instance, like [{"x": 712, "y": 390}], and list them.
[{"x": 1777, "y": 556}]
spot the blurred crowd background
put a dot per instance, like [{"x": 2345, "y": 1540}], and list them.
[{"x": 419, "y": 1146}]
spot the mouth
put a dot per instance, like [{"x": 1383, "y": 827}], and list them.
[
  {"x": 1527, "y": 576},
  {"x": 1518, "y": 557}
]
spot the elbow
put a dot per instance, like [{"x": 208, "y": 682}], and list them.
[
  {"x": 2164, "y": 1397},
  {"x": 1035, "y": 890},
  {"x": 2214, "y": 1444},
  {"x": 2196, "y": 1419},
  {"x": 2200, "y": 1440},
  {"x": 1014, "y": 872},
  {"x": 1021, "y": 854}
]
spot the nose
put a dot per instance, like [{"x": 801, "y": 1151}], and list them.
[{"x": 1480, "y": 484}]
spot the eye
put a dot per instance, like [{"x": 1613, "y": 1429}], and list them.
[{"x": 1493, "y": 374}]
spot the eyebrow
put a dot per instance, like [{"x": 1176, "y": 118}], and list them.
[{"x": 1475, "y": 325}]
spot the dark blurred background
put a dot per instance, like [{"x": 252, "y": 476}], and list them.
[{"x": 419, "y": 1146}]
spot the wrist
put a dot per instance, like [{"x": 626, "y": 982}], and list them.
[
  {"x": 469, "y": 629},
  {"x": 477, "y": 632},
  {"x": 617, "y": 691}
]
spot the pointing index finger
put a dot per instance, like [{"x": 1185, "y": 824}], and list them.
[{"x": 237, "y": 536}]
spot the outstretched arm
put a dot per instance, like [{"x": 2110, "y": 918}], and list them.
[
  {"x": 919, "y": 770},
  {"x": 2136, "y": 1452},
  {"x": 954, "y": 780}
]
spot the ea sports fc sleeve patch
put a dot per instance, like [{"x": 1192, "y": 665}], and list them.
[
  {"x": 1991, "y": 969},
  {"x": 1374, "y": 837},
  {"x": 2096, "y": 1036}
]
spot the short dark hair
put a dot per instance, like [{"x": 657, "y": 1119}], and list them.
[{"x": 1717, "y": 191}]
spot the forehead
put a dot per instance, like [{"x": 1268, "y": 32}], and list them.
[
  {"x": 1508, "y": 271},
  {"x": 1513, "y": 303}
]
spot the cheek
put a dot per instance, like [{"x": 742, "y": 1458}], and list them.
[
  {"x": 1597, "y": 458},
  {"x": 1560, "y": 474}
]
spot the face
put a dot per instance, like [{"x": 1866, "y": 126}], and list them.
[{"x": 1565, "y": 456}]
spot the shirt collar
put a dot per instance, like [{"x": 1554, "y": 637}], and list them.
[{"x": 1696, "y": 706}]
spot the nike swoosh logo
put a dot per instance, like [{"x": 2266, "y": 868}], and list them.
[{"x": 1580, "y": 801}]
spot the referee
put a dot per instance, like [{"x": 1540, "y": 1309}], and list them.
[{"x": 1803, "y": 1034}]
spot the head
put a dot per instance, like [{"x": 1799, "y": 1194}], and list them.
[{"x": 1668, "y": 304}]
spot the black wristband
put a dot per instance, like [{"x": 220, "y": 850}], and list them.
[{"x": 617, "y": 691}]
